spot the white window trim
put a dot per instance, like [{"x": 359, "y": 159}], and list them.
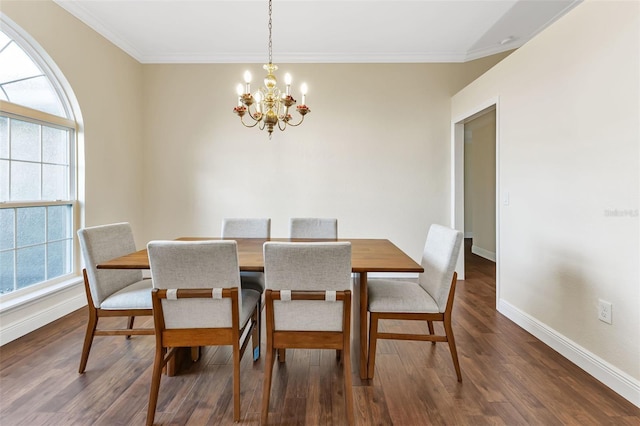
[
  {"x": 22, "y": 314},
  {"x": 19, "y": 111}
]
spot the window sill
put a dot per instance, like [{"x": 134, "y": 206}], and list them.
[{"x": 38, "y": 295}]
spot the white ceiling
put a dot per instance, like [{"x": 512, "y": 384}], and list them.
[{"x": 236, "y": 31}]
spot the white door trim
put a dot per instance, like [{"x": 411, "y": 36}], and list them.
[{"x": 457, "y": 178}]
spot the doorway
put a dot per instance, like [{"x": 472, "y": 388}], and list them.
[
  {"x": 474, "y": 210},
  {"x": 480, "y": 185}
]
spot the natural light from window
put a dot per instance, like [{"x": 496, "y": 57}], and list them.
[
  {"x": 23, "y": 82},
  {"x": 37, "y": 175}
]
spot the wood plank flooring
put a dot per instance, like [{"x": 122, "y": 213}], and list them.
[{"x": 509, "y": 378}]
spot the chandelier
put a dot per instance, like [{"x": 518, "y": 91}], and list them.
[{"x": 270, "y": 105}]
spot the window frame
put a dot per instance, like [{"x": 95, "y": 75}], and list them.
[{"x": 24, "y": 113}]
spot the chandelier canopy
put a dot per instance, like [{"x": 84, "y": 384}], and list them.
[{"x": 270, "y": 104}]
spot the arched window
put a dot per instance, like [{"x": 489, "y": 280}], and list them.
[{"x": 37, "y": 171}]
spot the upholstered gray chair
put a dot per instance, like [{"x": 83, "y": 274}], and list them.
[
  {"x": 430, "y": 299},
  {"x": 313, "y": 228},
  {"x": 197, "y": 301},
  {"x": 248, "y": 228},
  {"x": 111, "y": 292},
  {"x": 308, "y": 305}
]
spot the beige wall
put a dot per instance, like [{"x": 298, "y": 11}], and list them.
[
  {"x": 568, "y": 119},
  {"x": 373, "y": 152},
  {"x": 106, "y": 90},
  {"x": 480, "y": 184},
  {"x": 161, "y": 148},
  {"x": 108, "y": 86}
]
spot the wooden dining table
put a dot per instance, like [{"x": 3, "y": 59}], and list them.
[{"x": 367, "y": 256}]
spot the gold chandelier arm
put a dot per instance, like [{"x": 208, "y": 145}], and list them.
[
  {"x": 249, "y": 125},
  {"x": 282, "y": 125},
  {"x": 297, "y": 124},
  {"x": 243, "y": 110}
]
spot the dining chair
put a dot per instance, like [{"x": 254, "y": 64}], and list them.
[
  {"x": 308, "y": 305},
  {"x": 430, "y": 299},
  {"x": 111, "y": 292},
  {"x": 312, "y": 228},
  {"x": 197, "y": 301},
  {"x": 248, "y": 228}
]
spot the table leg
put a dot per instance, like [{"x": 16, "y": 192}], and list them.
[
  {"x": 362, "y": 317},
  {"x": 172, "y": 367}
]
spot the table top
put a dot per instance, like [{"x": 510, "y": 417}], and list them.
[{"x": 367, "y": 255}]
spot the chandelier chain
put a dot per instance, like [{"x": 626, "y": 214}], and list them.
[{"x": 270, "y": 42}]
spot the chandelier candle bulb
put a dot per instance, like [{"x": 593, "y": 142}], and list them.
[
  {"x": 303, "y": 90},
  {"x": 287, "y": 81},
  {"x": 247, "y": 82},
  {"x": 258, "y": 97},
  {"x": 239, "y": 92}
]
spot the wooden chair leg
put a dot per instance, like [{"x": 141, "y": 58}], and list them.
[
  {"x": 88, "y": 337},
  {"x": 348, "y": 385},
  {"x": 266, "y": 384},
  {"x": 452, "y": 346},
  {"x": 195, "y": 353},
  {"x": 130, "y": 325},
  {"x": 282, "y": 355},
  {"x": 158, "y": 365},
  {"x": 431, "y": 331},
  {"x": 373, "y": 339},
  {"x": 236, "y": 382}
]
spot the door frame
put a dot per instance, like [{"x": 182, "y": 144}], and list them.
[{"x": 457, "y": 178}]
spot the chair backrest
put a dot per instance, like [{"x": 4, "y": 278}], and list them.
[
  {"x": 192, "y": 265},
  {"x": 308, "y": 267},
  {"x": 311, "y": 227},
  {"x": 439, "y": 261},
  {"x": 246, "y": 228},
  {"x": 102, "y": 243}
]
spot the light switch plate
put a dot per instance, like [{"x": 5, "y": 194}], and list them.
[{"x": 604, "y": 311}]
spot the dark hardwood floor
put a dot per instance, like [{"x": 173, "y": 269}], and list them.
[{"x": 509, "y": 378}]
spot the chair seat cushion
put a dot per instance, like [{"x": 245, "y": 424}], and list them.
[
  {"x": 133, "y": 296},
  {"x": 249, "y": 301},
  {"x": 252, "y": 281},
  {"x": 386, "y": 295}
]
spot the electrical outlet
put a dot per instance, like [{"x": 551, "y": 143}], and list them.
[{"x": 604, "y": 311}]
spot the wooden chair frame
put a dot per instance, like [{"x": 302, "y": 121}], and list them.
[
  {"x": 96, "y": 313},
  {"x": 444, "y": 317},
  {"x": 168, "y": 341},
  {"x": 281, "y": 339}
]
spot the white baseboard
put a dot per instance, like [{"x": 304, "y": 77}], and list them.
[
  {"x": 619, "y": 381},
  {"x": 24, "y": 319},
  {"x": 483, "y": 253}
]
